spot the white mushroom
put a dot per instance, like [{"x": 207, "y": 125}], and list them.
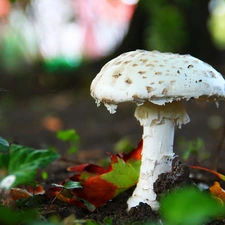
[{"x": 156, "y": 82}]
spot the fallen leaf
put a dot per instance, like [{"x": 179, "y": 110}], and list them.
[
  {"x": 218, "y": 192},
  {"x": 99, "y": 184},
  {"x": 22, "y": 193}
]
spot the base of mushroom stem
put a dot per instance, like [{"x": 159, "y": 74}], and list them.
[{"x": 134, "y": 201}]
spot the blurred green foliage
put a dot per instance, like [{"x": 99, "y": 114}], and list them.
[
  {"x": 4, "y": 145},
  {"x": 11, "y": 217},
  {"x": 166, "y": 30},
  {"x": 123, "y": 145},
  {"x": 189, "y": 206},
  {"x": 193, "y": 147},
  {"x": 216, "y": 23},
  {"x": 71, "y": 137}
]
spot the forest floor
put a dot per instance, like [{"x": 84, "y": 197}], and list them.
[{"x": 33, "y": 121}]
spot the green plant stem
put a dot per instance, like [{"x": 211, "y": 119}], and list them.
[{"x": 55, "y": 197}]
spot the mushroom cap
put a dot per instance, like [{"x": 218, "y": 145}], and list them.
[{"x": 141, "y": 75}]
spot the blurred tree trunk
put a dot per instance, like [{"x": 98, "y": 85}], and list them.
[
  {"x": 200, "y": 41},
  {"x": 135, "y": 38}
]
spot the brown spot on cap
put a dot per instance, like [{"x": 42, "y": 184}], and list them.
[
  {"x": 108, "y": 101},
  {"x": 158, "y": 73},
  {"x": 150, "y": 64},
  {"x": 133, "y": 54},
  {"x": 128, "y": 61},
  {"x": 164, "y": 91},
  {"x": 149, "y": 89},
  {"x": 142, "y": 72},
  {"x": 190, "y": 66},
  {"x": 138, "y": 100},
  {"x": 212, "y": 74},
  {"x": 144, "y": 60},
  {"x": 118, "y": 62},
  {"x": 128, "y": 81},
  {"x": 135, "y": 64},
  {"x": 117, "y": 75},
  {"x": 160, "y": 81}
]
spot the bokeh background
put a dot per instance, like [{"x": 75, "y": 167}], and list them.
[{"x": 50, "y": 50}]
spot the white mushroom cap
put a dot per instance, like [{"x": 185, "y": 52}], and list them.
[{"x": 141, "y": 75}]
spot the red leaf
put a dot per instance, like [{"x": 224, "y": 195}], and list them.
[
  {"x": 91, "y": 168},
  {"x": 95, "y": 190},
  {"x": 135, "y": 154}
]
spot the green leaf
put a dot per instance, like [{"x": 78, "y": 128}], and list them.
[
  {"x": 44, "y": 223},
  {"x": 29, "y": 158},
  {"x": 67, "y": 135},
  {"x": 44, "y": 175},
  {"x": 10, "y": 217},
  {"x": 108, "y": 221},
  {"x": 90, "y": 207},
  {"x": 4, "y": 145},
  {"x": 72, "y": 149},
  {"x": 123, "y": 175},
  {"x": 123, "y": 145},
  {"x": 189, "y": 206},
  {"x": 69, "y": 185},
  {"x": 23, "y": 162},
  {"x": 4, "y": 162},
  {"x": 191, "y": 147},
  {"x": 92, "y": 223}
]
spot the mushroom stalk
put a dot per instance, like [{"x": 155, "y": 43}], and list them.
[{"x": 157, "y": 154}]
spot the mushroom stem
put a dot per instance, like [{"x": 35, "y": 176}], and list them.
[{"x": 157, "y": 154}]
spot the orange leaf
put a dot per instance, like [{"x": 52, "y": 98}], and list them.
[
  {"x": 19, "y": 193},
  {"x": 217, "y": 192}
]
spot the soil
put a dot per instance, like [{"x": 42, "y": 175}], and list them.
[{"x": 115, "y": 210}]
